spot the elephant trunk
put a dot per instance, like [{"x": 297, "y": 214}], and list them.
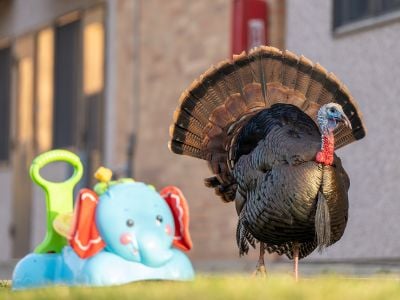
[{"x": 154, "y": 250}]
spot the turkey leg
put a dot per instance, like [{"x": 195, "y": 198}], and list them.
[
  {"x": 261, "y": 270},
  {"x": 296, "y": 249}
]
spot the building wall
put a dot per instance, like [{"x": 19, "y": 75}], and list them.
[
  {"x": 5, "y": 216},
  {"x": 19, "y": 18},
  {"x": 121, "y": 64},
  {"x": 151, "y": 57},
  {"x": 175, "y": 48},
  {"x": 367, "y": 62}
]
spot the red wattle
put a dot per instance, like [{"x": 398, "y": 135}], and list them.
[{"x": 325, "y": 156}]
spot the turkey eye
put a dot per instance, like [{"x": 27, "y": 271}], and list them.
[
  {"x": 159, "y": 219},
  {"x": 130, "y": 223},
  {"x": 332, "y": 110}
]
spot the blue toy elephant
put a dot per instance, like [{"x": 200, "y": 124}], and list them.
[{"x": 125, "y": 232}]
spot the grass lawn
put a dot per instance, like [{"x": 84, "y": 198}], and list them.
[{"x": 277, "y": 287}]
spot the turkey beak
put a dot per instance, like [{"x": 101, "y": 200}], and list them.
[{"x": 343, "y": 119}]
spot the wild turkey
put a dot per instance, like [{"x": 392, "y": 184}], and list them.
[{"x": 267, "y": 123}]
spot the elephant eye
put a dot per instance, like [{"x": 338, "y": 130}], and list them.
[
  {"x": 130, "y": 223},
  {"x": 159, "y": 219}
]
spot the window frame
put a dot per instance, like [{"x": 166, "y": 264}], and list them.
[{"x": 377, "y": 16}]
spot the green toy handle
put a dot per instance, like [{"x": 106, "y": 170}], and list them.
[
  {"x": 56, "y": 156},
  {"x": 59, "y": 195}
]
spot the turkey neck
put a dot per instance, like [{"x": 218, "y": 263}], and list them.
[{"x": 325, "y": 156}]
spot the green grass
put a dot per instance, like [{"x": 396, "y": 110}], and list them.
[
  {"x": 276, "y": 287},
  {"x": 5, "y": 284}
]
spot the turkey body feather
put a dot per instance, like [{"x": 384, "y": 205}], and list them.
[
  {"x": 279, "y": 182},
  {"x": 256, "y": 121}
]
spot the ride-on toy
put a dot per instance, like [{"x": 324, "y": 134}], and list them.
[{"x": 121, "y": 232}]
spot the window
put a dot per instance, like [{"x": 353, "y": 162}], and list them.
[
  {"x": 79, "y": 53},
  {"x": 67, "y": 84},
  {"x": 5, "y": 103},
  {"x": 79, "y": 80},
  {"x": 350, "y": 11}
]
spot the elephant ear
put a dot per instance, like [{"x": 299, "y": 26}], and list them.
[
  {"x": 180, "y": 210},
  {"x": 85, "y": 238}
]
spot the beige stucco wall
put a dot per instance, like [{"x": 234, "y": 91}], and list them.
[
  {"x": 164, "y": 53},
  {"x": 368, "y": 63},
  {"x": 151, "y": 57},
  {"x": 175, "y": 48},
  {"x": 119, "y": 87}
]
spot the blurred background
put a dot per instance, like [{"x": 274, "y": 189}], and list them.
[{"x": 103, "y": 77}]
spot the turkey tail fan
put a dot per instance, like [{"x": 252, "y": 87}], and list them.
[{"x": 214, "y": 108}]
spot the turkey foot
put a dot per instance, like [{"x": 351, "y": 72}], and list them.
[{"x": 261, "y": 271}]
